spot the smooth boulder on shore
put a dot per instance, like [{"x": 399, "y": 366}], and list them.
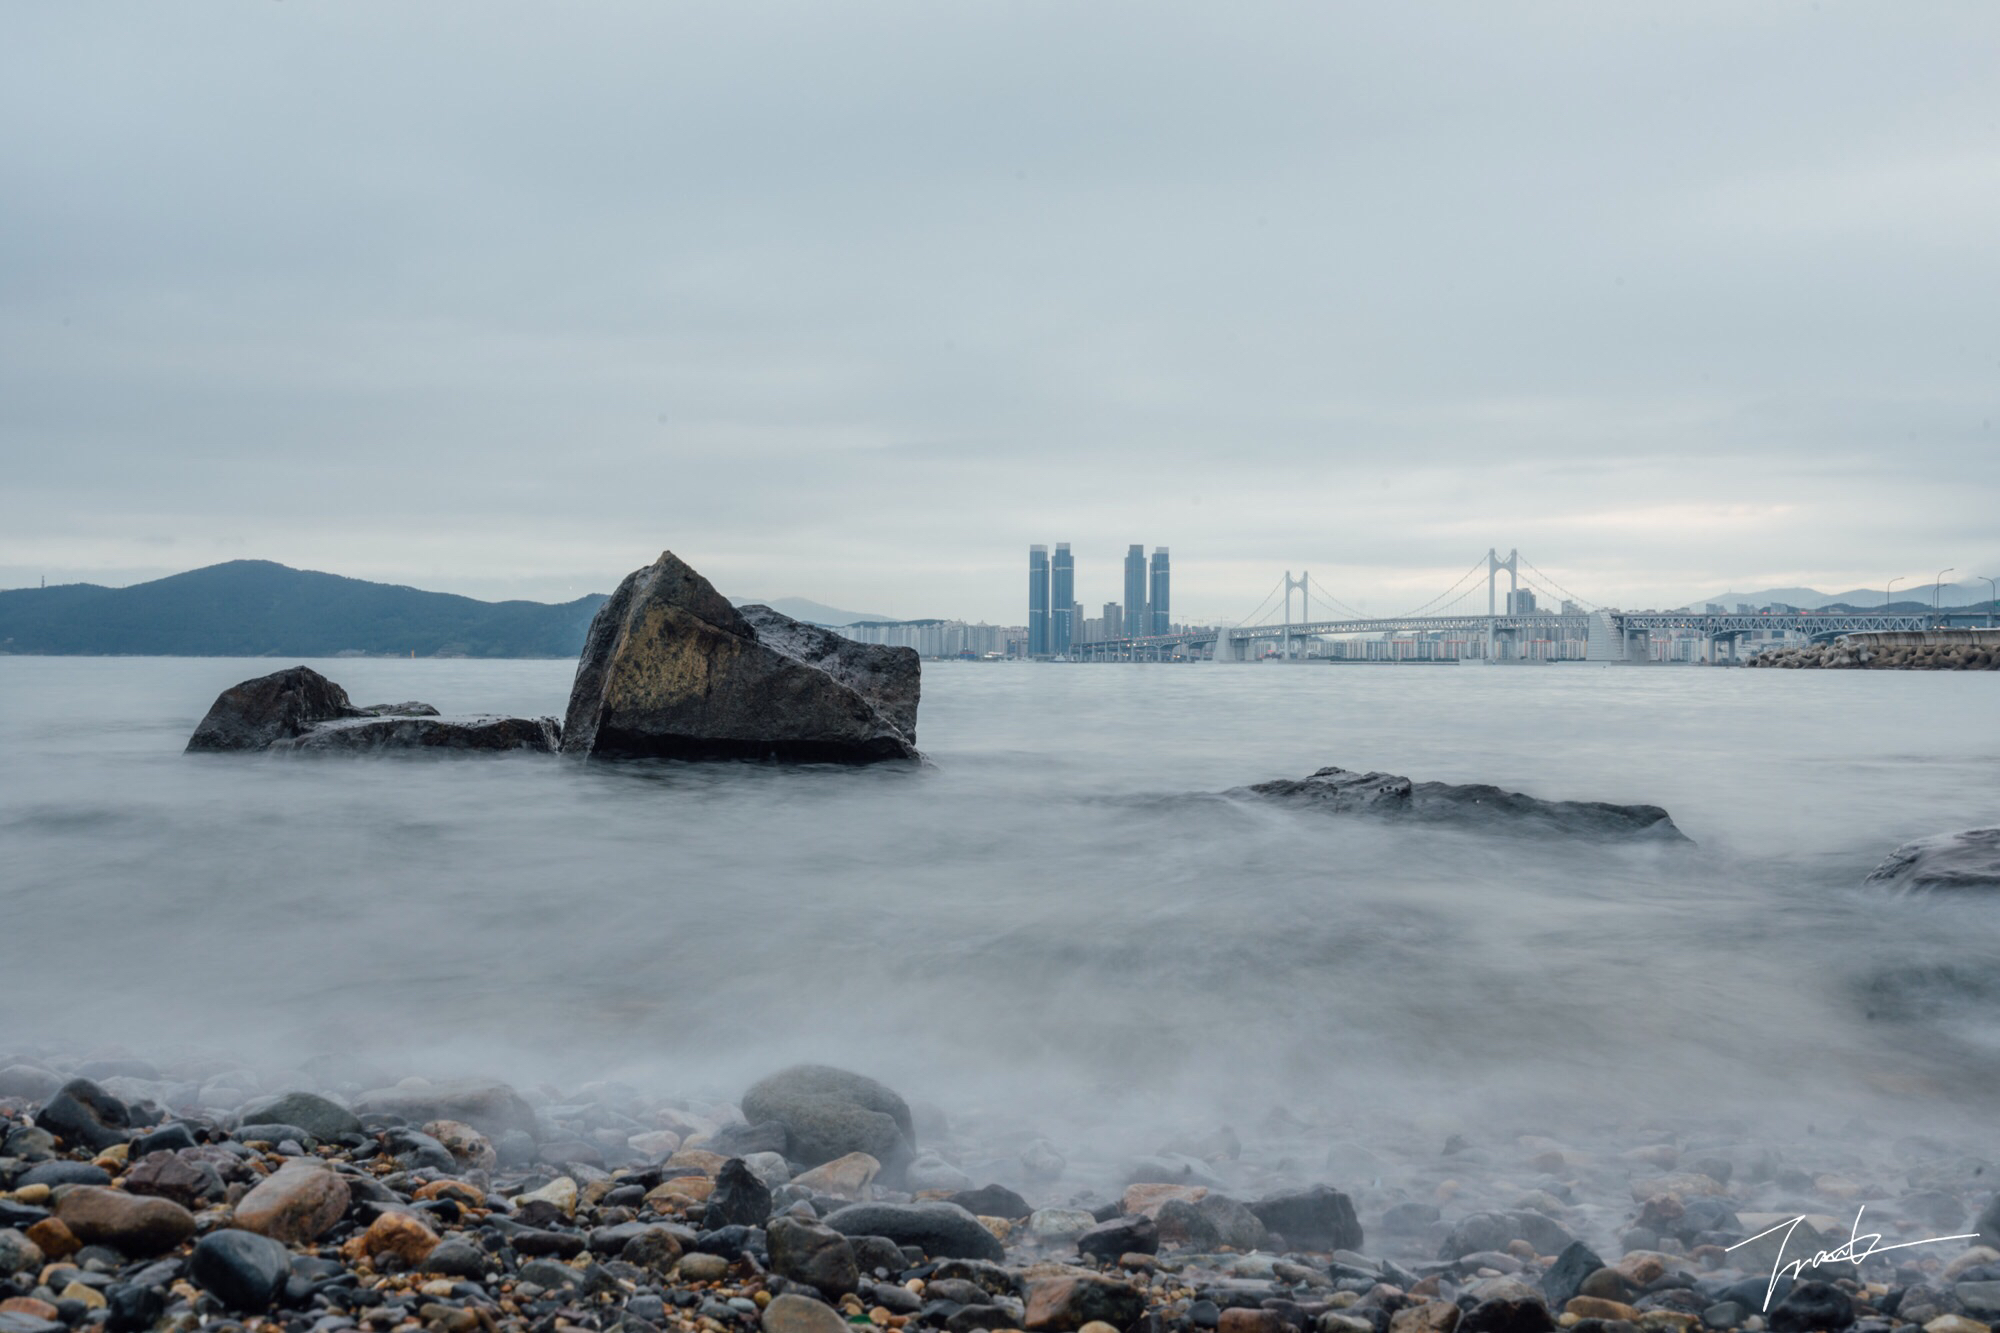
[
  {"x": 829, "y": 1113},
  {"x": 299, "y": 709},
  {"x": 671, "y": 670},
  {"x": 1969, "y": 859},
  {"x": 940, "y": 1230},
  {"x": 488, "y": 1105},
  {"x": 1475, "y": 805}
]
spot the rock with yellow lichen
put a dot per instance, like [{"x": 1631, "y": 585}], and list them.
[{"x": 671, "y": 670}]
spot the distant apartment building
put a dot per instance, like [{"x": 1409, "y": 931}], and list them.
[
  {"x": 1158, "y": 592},
  {"x": 1038, "y": 601},
  {"x": 1137, "y": 622},
  {"x": 1062, "y": 600},
  {"x": 941, "y": 638},
  {"x": 1521, "y": 602}
]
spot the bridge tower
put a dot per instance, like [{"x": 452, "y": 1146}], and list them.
[
  {"x": 1494, "y": 564},
  {"x": 1305, "y": 606}
]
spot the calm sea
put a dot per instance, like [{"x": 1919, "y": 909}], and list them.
[{"x": 1040, "y": 920}]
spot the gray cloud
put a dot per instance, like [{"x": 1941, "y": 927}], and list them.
[{"x": 857, "y": 302}]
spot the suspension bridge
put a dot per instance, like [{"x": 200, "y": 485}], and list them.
[{"x": 1515, "y": 629}]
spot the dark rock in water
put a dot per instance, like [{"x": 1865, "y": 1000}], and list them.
[
  {"x": 272, "y": 1133},
  {"x": 257, "y": 714},
  {"x": 1320, "y": 1218},
  {"x": 299, "y": 709},
  {"x": 873, "y": 1252},
  {"x": 488, "y": 1106},
  {"x": 1988, "y": 1225},
  {"x": 992, "y": 1201},
  {"x": 18, "y": 1254},
  {"x": 1812, "y": 1307},
  {"x": 1504, "y": 1314},
  {"x": 131, "y": 1307},
  {"x": 182, "y": 1176},
  {"x": 1965, "y": 860},
  {"x": 735, "y": 1241},
  {"x": 1479, "y": 1232},
  {"x": 1409, "y": 1219},
  {"x": 29, "y": 1143},
  {"x": 16, "y": 1216},
  {"x": 457, "y": 1258},
  {"x": 738, "y": 1199},
  {"x": 828, "y": 1113},
  {"x": 1477, "y": 805},
  {"x": 63, "y": 1173},
  {"x": 940, "y": 1230},
  {"x": 366, "y": 735},
  {"x": 670, "y": 669},
  {"x": 170, "y": 1137},
  {"x": 1134, "y": 1234},
  {"x": 742, "y": 1140},
  {"x": 416, "y": 1150},
  {"x": 85, "y": 1115},
  {"x": 316, "y": 1115},
  {"x": 818, "y": 1256},
  {"x": 243, "y": 1270},
  {"x": 1565, "y": 1278}
]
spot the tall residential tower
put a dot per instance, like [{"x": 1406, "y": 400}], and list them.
[
  {"x": 1038, "y": 601},
  {"x": 1162, "y": 621},
  {"x": 1062, "y": 600},
  {"x": 1137, "y": 622}
]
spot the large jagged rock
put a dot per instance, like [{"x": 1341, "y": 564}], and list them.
[
  {"x": 1478, "y": 805},
  {"x": 670, "y": 669},
  {"x": 299, "y": 709},
  {"x": 1966, "y": 860}
]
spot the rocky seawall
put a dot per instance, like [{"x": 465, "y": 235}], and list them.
[
  {"x": 144, "y": 1198},
  {"x": 1928, "y": 650}
]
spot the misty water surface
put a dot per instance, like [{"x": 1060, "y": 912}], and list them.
[{"x": 1038, "y": 921}]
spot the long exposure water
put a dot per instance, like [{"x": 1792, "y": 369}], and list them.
[{"x": 1038, "y": 921}]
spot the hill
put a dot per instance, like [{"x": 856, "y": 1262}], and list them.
[
  {"x": 1811, "y": 599},
  {"x": 255, "y": 608}
]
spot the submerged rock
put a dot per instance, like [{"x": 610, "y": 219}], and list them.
[
  {"x": 299, "y": 709},
  {"x": 257, "y": 714},
  {"x": 364, "y": 735},
  {"x": 1477, "y": 805},
  {"x": 670, "y": 669},
  {"x": 1965, "y": 860}
]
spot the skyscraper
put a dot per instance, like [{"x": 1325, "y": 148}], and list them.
[
  {"x": 1062, "y": 600},
  {"x": 1160, "y": 598},
  {"x": 1137, "y": 622},
  {"x": 1038, "y": 601}
]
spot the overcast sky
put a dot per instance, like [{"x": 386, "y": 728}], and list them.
[{"x": 856, "y": 300}]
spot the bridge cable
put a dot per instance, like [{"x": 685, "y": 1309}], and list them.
[
  {"x": 1426, "y": 607},
  {"x": 1564, "y": 592},
  {"x": 1331, "y": 603}
]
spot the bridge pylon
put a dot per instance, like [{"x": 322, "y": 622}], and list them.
[
  {"x": 1494, "y": 564},
  {"x": 1305, "y": 605}
]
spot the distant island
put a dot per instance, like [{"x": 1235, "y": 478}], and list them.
[{"x": 257, "y": 608}]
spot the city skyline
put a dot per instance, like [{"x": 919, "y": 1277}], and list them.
[{"x": 1056, "y": 621}]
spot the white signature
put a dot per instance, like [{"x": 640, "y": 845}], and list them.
[{"x": 1849, "y": 1251}]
